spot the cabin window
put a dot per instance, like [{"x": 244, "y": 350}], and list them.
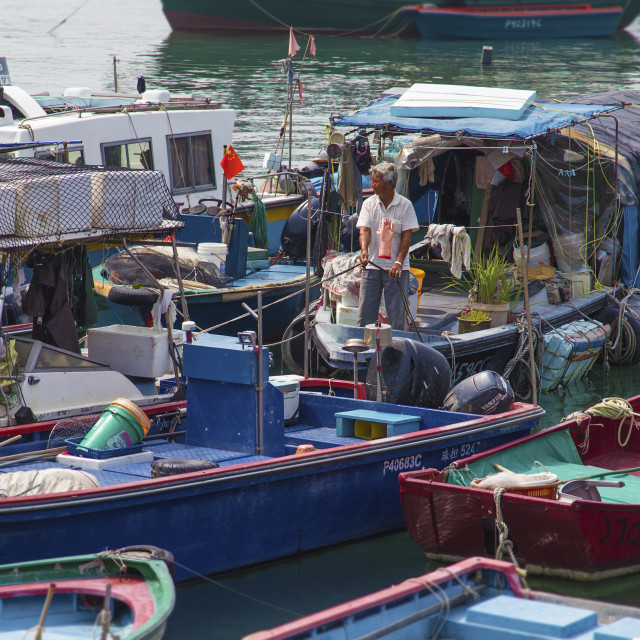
[
  {"x": 76, "y": 156},
  {"x": 52, "y": 359},
  {"x": 136, "y": 154},
  {"x": 191, "y": 161}
]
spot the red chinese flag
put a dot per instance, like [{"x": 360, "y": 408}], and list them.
[{"x": 231, "y": 163}]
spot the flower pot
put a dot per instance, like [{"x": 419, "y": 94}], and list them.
[
  {"x": 467, "y": 326},
  {"x": 497, "y": 311}
]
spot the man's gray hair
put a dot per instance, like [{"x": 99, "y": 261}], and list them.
[{"x": 387, "y": 170}]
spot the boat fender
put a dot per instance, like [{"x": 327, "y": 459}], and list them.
[
  {"x": 628, "y": 350},
  {"x": 175, "y": 466},
  {"x": 132, "y": 297},
  {"x": 411, "y": 373},
  {"x": 148, "y": 552},
  {"x": 294, "y": 234},
  {"x": 484, "y": 393}
]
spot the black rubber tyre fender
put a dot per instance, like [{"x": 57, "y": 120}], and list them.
[
  {"x": 149, "y": 552},
  {"x": 175, "y": 466},
  {"x": 132, "y": 297},
  {"x": 609, "y": 315}
]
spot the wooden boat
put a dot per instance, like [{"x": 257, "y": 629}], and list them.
[
  {"x": 475, "y": 598},
  {"x": 344, "y": 489},
  {"x": 128, "y": 593},
  {"x": 596, "y": 461},
  {"x": 516, "y": 21},
  {"x": 382, "y": 17}
]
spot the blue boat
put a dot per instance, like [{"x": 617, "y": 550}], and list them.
[
  {"x": 516, "y": 22},
  {"x": 282, "y": 286},
  {"x": 264, "y": 501},
  {"x": 476, "y": 598}
]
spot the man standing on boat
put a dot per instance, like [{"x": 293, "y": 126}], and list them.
[{"x": 386, "y": 222}]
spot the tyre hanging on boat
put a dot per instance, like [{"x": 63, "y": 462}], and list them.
[
  {"x": 626, "y": 345},
  {"x": 293, "y": 348},
  {"x": 411, "y": 373},
  {"x": 132, "y": 297}
]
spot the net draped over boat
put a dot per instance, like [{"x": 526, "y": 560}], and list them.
[{"x": 40, "y": 199}]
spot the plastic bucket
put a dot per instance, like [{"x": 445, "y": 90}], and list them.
[
  {"x": 536, "y": 254},
  {"x": 214, "y": 252},
  {"x": 419, "y": 274},
  {"x": 122, "y": 424},
  {"x": 568, "y": 251}
]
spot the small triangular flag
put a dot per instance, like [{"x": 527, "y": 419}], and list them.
[
  {"x": 294, "y": 47},
  {"x": 312, "y": 45},
  {"x": 300, "y": 90}
]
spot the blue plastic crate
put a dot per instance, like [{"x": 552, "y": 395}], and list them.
[{"x": 74, "y": 449}]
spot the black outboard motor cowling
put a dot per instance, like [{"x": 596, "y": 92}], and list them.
[
  {"x": 485, "y": 393},
  {"x": 412, "y": 373},
  {"x": 294, "y": 234}
]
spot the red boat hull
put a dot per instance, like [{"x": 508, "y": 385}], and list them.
[{"x": 583, "y": 539}]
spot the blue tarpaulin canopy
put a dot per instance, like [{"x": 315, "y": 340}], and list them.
[{"x": 538, "y": 119}]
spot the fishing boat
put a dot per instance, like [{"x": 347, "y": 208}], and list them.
[
  {"x": 127, "y": 593},
  {"x": 234, "y": 447},
  {"x": 466, "y": 158},
  {"x": 478, "y": 597},
  {"x": 380, "y": 17},
  {"x": 537, "y": 496},
  {"x": 516, "y": 21},
  {"x": 184, "y": 136}
]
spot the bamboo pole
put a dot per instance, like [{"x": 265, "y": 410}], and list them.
[
  {"x": 45, "y": 610},
  {"x": 10, "y": 440},
  {"x": 525, "y": 276},
  {"x": 306, "y": 290}
]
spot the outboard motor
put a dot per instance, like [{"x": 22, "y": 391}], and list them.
[
  {"x": 411, "y": 373},
  {"x": 294, "y": 234},
  {"x": 484, "y": 393}
]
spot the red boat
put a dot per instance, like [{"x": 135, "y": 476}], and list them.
[{"x": 582, "y": 521}]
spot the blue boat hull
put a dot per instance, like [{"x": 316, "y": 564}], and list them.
[
  {"x": 245, "y": 514},
  {"x": 459, "y": 23}
]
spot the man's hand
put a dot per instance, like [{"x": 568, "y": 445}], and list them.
[
  {"x": 395, "y": 271},
  {"x": 364, "y": 256}
]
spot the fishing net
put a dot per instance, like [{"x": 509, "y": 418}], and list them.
[
  {"x": 68, "y": 428},
  {"x": 40, "y": 199},
  {"x": 121, "y": 268}
]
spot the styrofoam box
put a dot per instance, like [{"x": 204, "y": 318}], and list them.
[
  {"x": 113, "y": 201},
  {"x": 52, "y": 205},
  {"x": 7, "y": 209},
  {"x": 134, "y": 351},
  {"x": 106, "y": 463},
  {"x": 347, "y": 315}
]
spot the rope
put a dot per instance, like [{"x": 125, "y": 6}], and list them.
[
  {"x": 505, "y": 545},
  {"x": 520, "y": 359},
  {"x": 611, "y": 409},
  {"x": 446, "y": 335},
  {"x": 259, "y": 223}
]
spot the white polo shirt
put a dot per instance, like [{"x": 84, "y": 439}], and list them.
[{"x": 401, "y": 211}]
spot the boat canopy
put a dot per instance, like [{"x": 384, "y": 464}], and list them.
[{"x": 538, "y": 119}]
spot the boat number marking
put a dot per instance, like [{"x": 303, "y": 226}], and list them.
[
  {"x": 628, "y": 533},
  {"x": 523, "y": 23},
  {"x": 402, "y": 464},
  {"x": 464, "y": 370},
  {"x": 462, "y": 451}
]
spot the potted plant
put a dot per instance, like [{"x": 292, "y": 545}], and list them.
[
  {"x": 488, "y": 282},
  {"x": 473, "y": 320}
]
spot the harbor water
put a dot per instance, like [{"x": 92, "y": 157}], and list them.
[{"x": 55, "y": 45}]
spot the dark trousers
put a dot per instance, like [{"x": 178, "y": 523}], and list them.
[{"x": 372, "y": 284}]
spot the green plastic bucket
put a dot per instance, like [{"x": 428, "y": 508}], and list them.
[{"x": 122, "y": 424}]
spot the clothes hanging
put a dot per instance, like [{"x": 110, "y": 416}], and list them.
[
  {"x": 346, "y": 183},
  {"x": 47, "y": 300}
]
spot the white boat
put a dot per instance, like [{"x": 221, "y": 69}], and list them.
[{"x": 184, "y": 136}]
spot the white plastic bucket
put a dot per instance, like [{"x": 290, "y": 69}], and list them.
[
  {"x": 536, "y": 254},
  {"x": 214, "y": 252},
  {"x": 569, "y": 250}
]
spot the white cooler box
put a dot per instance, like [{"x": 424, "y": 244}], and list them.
[
  {"x": 135, "y": 351},
  {"x": 290, "y": 387}
]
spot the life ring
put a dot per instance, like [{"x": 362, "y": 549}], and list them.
[
  {"x": 627, "y": 351},
  {"x": 132, "y": 297},
  {"x": 175, "y": 466}
]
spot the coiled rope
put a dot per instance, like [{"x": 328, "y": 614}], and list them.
[
  {"x": 612, "y": 409},
  {"x": 505, "y": 546}
]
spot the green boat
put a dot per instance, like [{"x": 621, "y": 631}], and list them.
[
  {"x": 128, "y": 594},
  {"x": 353, "y": 17}
]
